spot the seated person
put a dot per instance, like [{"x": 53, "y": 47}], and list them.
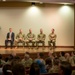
[
  {"x": 30, "y": 38},
  {"x": 41, "y": 66},
  {"x": 65, "y": 68},
  {"x": 34, "y": 69},
  {"x": 9, "y": 38},
  {"x": 7, "y": 69},
  {"x": 18, "y": 69},
  {"x": 52, "y": 39},
  {"x": 41, "y": 38},
  {"x": 20, "y": 38}
]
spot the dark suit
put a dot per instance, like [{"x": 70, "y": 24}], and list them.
[{"x": 9, "y": 41}]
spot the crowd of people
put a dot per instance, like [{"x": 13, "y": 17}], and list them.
[{"x": 54, "y": 63}]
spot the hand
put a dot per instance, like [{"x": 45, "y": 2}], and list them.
[
  {"x": 9, "y": 39},
  {"x": 30, "y": 39},
  {"x": 20, "y": 38}
]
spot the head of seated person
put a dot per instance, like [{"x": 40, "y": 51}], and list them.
[
  {"x": 40, "y": 55},
  {"x": 48, "y": 63},
  {"x": 42, "y": 66},
  {"x": 15, "y": 60},
  {"x": 7, "y": 70},
  {"x": 65, "y": 68},
  {"x": 18, "y": 69},
  {"x": 34, "y": 69},
  {"x": 56, "y": 61}
]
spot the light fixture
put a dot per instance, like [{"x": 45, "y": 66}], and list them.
[
  {"x": 3, "y": 0},
  {"x": 33, "y": 3}
]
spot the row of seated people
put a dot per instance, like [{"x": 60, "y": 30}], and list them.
[
  {"x": 30, "y": 38},
  {"x": 39, "y": 66}
]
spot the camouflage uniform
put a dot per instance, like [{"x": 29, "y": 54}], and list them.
[
  {"x": 20, "y": 38},
  {"x": 41, "y": 39},
  {"x": 27, "y": 63},
  {"x": 52, "y": 39},
  {"x": 30, "y": 39}
]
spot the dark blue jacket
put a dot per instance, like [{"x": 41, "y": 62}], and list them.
[{"x": 12, "y": 36}]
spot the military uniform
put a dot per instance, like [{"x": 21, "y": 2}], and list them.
[
  {"x": 41, "y": 39},
  {"x": 52, "y": 39},
  {"x": 27, "y": 63},
  {"x": 20, "y": 38},
  {"x": 30, "y": 39}
]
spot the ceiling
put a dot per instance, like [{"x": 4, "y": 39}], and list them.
[{"x": 45, "y": 1}]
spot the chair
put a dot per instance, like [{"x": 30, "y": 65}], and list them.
[{"x": 50, "y": 74}]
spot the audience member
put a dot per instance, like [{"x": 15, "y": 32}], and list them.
[
  {"x": 34, "y": 69},
  {"x": 65, "y": 68},
  {"x": 18, "y": 69},
  {"x": 42, "y": 66},
  {"x": 55, "y": 67},
  {"x": 2, "y": 62},
  {"x": 27, "y": 61},
  {"x": 62, "y": 57},
  {"x": 7, "y": 69},
  {"x": 72, "y": 59}
]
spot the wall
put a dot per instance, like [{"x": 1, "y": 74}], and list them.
[{"x": 61, "y": 18}]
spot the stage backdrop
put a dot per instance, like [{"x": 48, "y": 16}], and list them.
[{"x": 61, "y": 18}]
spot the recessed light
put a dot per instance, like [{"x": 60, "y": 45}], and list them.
[
  {"x": 41, "y": 2},
  {"x": 3, "y": 0}
]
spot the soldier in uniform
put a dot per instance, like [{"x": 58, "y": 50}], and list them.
[
  {"x": 20, "y": 38},
  {"x": 30, "y": 38},
  {"x": 52, "y": 39},
  {"x": 41, "y": 38}
]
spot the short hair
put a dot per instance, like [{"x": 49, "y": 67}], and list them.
[
  {"x": 7, "y": 69},
  {"x": 62, "y": 53},
  {"x": 10, "y": 28},
  {"x": 18, "y": 69},
  {"x": 27, "y": 53},
  {"x": 66, "y": 68},
  {"x": 48, "y": 61},
  {"x": 56, "y": 61},
  {"x": 34, "y": 69},
  {"x": 41, "y": 55},
  {"x": 0, "y": 56}
]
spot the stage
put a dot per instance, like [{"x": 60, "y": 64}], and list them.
[{"x": 30, "y": 50}]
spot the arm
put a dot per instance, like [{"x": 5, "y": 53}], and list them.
[
  {"x": 7, "y": 37},
  {"x": 23, "y": 37},
  {"x": 33, "y": 37},
  {"x": 38, "y": 37},
  {"x": 49, "y": 37},
  {"x": 44, "y": 36},
  {"x": 17, "y": 36}
]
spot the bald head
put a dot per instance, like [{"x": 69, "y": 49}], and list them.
[
  {"x": 30, "y": 31},
  {"x": 41, "y": 31},
  {"x": 53, "y": 30},
  {"x": 20, "y": 30}
]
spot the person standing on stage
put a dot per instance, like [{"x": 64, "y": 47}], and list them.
[
  {"x": 52, "y": 39},
  {"x": 9, "y": 38}
]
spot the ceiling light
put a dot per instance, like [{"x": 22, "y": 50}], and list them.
[{"x": 3, "y": 0}]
